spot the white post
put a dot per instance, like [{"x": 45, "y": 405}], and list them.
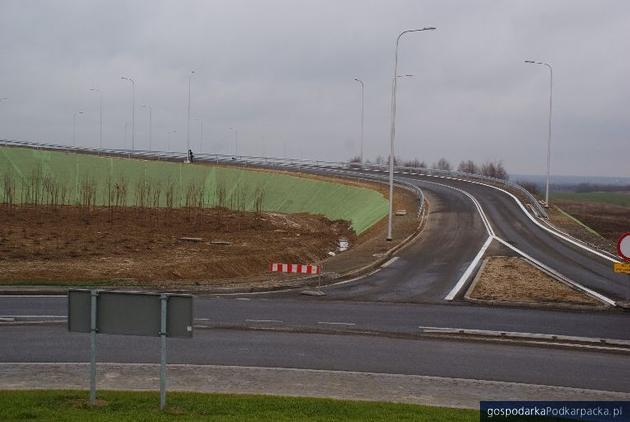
[
  {"x": 548, "y": 66},
  {"x": 392, "y": 132},
  {"x": 192, "y": 72},
  {"x": 362, "y": 114},
  {"x": 133, "y": 111}
]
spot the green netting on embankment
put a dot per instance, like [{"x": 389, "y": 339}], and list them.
[{"x": 51, "y": 177}]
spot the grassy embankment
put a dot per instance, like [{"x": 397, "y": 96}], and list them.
[
  {"x": 143, "y": 406},
  {"x": 53, "y": 179}
]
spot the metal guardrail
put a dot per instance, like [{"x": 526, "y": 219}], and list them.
[{"x": 280, "y": 163}]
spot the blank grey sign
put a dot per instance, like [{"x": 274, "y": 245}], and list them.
[{"x": 130, "y": 313}]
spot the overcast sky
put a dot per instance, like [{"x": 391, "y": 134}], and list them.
[{"x": 281, "y": 72}]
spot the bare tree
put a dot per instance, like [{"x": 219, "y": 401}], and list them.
[
  {"x": 442, "y": 164},
  {"x": 468, "y": 167}
]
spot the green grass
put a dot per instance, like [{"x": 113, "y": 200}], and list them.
[
  {"x": 614, "y": 198},
  {"x": 59, "y": 405},
  {"x": 28, "y": 168}
]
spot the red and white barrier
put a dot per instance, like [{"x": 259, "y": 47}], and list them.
[{"x": 294, "y": 268}]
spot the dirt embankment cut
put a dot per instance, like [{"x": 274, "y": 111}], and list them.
[
  {"x": 145, "y": 247},
  {"x": 512, "y": 280},
  {"x": 597, "y": 223}
]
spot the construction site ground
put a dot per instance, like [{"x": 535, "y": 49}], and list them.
[{"x": 187, "y": 249}]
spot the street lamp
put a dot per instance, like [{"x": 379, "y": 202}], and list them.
[
  {"x": 201, "y": 137},
  {"x": 548, "y": 66},
  {"x": 235, "y": 141},
  {"x": 362, "y": 113},
  {"x": 148, "y": 107},
  {"x": 74, "y": 128},
  {"x": 192, "y": 72},
  {"x": 133, "y": 111},
  {"x": 100, "y": 115},
  {"x": 392, "y": 133}
]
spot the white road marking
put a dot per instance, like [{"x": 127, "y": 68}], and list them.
[
  {"x": 243, "y": 298},
  {"x": 264, "y": 320},
  {"x": 33, "y": 316},
  {"x": 464, "y": 278},
  {"x": 390, "y": 262},
  {"x": 538, "y": 223},
  {"x": 350, "y": 324}
]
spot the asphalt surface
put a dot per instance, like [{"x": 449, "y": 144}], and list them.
[
  {"x": 427, "y": 270},
  {"x": 310, "y": 314},
  {"x": 512, "y": 225},
  {"x": 596, "y": 370}
]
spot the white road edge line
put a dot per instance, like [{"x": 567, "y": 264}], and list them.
[
  {"x": 464, "y": 278},
  {"x": 557, "y": 274},
  {"x": 337, "y": 323},
  {"x": 264, "y": 320},
  {"x": 390, "y": 262},
  {"x": 33, "y": 316},
  {"x": 538, "y": 223}
]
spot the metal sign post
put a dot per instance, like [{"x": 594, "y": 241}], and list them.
[
  {"x": 130, "y": 313},
  {"x": 93, "y": 299},
  {"x": 164, "y": 303}
]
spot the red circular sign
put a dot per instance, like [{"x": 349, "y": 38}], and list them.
[{"x": 623, "y": 246}]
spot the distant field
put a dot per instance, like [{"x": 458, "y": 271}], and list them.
[{"x": 614, "y": 198}]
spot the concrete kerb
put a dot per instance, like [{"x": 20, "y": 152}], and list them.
[{"x": 349, "y": 385}]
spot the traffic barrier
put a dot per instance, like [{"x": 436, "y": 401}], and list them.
[{"x": 294, "y": 268}]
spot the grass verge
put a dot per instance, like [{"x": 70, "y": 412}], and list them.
[{"x": 144, "y": 406}]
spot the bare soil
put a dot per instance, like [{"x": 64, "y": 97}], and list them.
[
  {"x": 134, "y": 246},
  {"x": 608, "y": 220},
  {"x": 514, "y": 280}
]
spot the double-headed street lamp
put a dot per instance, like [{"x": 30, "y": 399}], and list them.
[
  {"x": 548, "y": 66},
  {"x": 192, "y": 72},
  {"x": 362, "y": 113},
  {"x": 392, "y": 133},
  {"x": 133, "y": 111},
  {"x": 74, "y": 127},
  {"x": 100, "y": 116},
  {"x": 148, "y": 107}
]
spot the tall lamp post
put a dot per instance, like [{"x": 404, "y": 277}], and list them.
[
  {"x": 133, "y": 111},
  {"x": 362, "y": 114},
  {"x": 548, "y": 66},
  {"x": 392, "y": 133},
  {"x": 148, "y": 107},
  {"x": 100, "y": 116},
  {"x": 74, "y": 127},
  {"x": 192, "y": 72}
]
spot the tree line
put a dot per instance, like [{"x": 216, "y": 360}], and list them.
[{"x": 489, "y": 168}]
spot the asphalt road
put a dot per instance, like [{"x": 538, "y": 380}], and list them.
[
  {"x": 512, "y": 225},
  {"x": 311, "y": 313},
  {"x": 427, "y": 270},
  {"x": 470, "y": 360}
]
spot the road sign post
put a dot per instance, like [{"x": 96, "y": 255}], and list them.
[
  {"x": 623, "y": 250},
  {"x": 130, "y": 313}
]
